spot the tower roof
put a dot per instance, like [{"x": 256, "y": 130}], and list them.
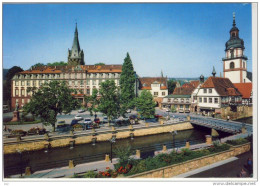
[
  {"x": 75, "y": 45},
  {"x": 234, "y": 41}
]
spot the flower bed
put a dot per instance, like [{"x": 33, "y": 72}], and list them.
[{"x": 239, "y": 141}]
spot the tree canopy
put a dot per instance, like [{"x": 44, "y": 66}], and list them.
[
  {"x": 171, "y": 86},
  {"x": 7, "y": 84},
  {"x": 94, "y": 102},
  {"x": 100, "y": 63},
  {"x": 109, "y": 99},
  {"x": 145, "y": 104},
  {"x": 61, "y": 63},
  {"x": 49, "y": 100},
  {"x": 38, "y": 65},
  {"x": 127, "y": 85}
]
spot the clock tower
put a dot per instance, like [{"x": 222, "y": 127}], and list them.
[{"x": 235, "y": 62}]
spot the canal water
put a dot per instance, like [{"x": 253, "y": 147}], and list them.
[{"x": 59, "y": 157}]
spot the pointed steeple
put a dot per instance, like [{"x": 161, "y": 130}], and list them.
[
  {"x": 76, "y": 55},
  {"x": 161, "y": 73},
  {"x": 234, "y": 19},
  {"x": 75, "y": 45},
  {"x": 214, "y": 72}
]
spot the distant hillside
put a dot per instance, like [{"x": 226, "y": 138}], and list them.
[{"x": 4, "y": 73}]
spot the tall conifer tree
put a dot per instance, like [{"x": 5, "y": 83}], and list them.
[{"x": 127, "y": 85}]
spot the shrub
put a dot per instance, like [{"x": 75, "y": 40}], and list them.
[
  {"x": 123, "y": 153},
  {"x": 90, "y": 174},
  {"x": 18, "y": 132},
  {"x": 239, "y": 141}
]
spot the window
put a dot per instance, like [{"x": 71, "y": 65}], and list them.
[
  {"x": 204, "y": 90},
  {"x": 16, "y": 92},
  {"x": 81, "y": 82},
  {"x": 28, "y": 100},
  {"x": 163, "y": 93},
  {"x": 187, "y": 106},
  {"x": 88, "y": 82},
  {"x": 155, "y": 93},
  {"x": 17, "y": 83},
  {"x": 200, "y": 99},
  {"x": 34, "y": 83},
  {"x": 22, "y": 83},
  {"x": 28, "y": 83},
  {"x": 22, "y": 101},
  {"x": 244, "y": 65},
  {"x": 210, "y": 100},
  {"x": 93, "y": 82},
  {"x": 232, "y": 65},
  {"x": 70, "y": 82},
  {"x": 88, "y": 91},
  {"x": 216, "y": 100},
  {"x": 169, "y": 100},
  {"x": 205, "y": 100},
  {"x": 187, "y": 100},
  {"x": 210, "y": 90},
  {"x": 22, "y": 92},
  {"x": 181, "y": 106}
]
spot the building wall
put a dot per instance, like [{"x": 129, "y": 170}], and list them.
[{"x": 208, "y": 95}]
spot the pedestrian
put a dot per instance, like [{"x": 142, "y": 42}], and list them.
[
  {"x": 243, "y": 173},
  {"x": 249, "y": 165}
]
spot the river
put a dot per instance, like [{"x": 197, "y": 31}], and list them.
[{"x": 59, "y": 157}]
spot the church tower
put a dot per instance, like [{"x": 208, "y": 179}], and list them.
[
  {"x": 75, "y": 55},
  {"x": 235, "y": 62}
]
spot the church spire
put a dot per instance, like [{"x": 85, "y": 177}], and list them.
[
  {"x": 75, "y": 45},
  {"x": 234, "y": 19},
  {"x": 76, "y": 55},
  {"x": 214, "y": 72}
]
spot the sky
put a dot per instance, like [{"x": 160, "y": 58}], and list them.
[{"x": 181, "y": 40}]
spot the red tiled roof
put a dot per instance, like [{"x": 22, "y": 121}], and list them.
[
  {"x": 68, "y": 68},
  {"x": 183, "y": 90},
  {"x": 145, "y": 82},
  {"x": 223, "y": 86},
  {"x": 195, "y": 83},
  {"x": 245, "y": 89}
]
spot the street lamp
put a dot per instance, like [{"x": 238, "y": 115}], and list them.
[
  {"x": 112, "y": 140},
  {"x": 173, "y": 133}
]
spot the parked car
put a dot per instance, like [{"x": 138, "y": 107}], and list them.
[
  {"x": 151, "y": 120},
  {"x": 105, "y": 119},
  {"x": 87, "y": 121},
  {"x": 97, "y": 120},
  {"x": 81, "y": 111},
  {"x": 128, "y": 111},
  {"x": 78, "y": 117},
  {"x": 158, "y": 116},
  {"x": 73, "y": 122},
  {"x": 64, "y": 127}
]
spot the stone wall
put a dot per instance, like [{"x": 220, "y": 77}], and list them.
[
  {"x": 242, "y": 112},
  {"x": 64, "y": 141},
  {"x": 177, "y": 169}
]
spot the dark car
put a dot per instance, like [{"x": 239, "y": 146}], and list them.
[
  {"x": 97, "y": 120},
  {"x": 63, "y": 128},
  {"x": 151, "y": 120},
  {"x": 73, "y": 122},
  {"x": 158, "y": 116}
]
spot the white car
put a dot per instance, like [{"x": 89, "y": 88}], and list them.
[
  {"x": 78, "y": 117},
  {"x": 128, "y": 111},
  {"x": 87, "y": 121},
  {"x": 105, "y": 120},
  {"x": 81, "y": 111}
]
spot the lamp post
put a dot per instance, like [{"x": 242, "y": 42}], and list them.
[
  {"x": 173, "y": 133},
  {"x": 112, "y": 140}
]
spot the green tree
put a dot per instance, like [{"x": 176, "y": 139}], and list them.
[
  {"x": 49, "y": 100},
  {"x": 38, "y": 65},
  {"x": 100, "y": 64},
  {"x": 127, "y": 85},
  {"x": 171, "y": 86},
  {"x": 61, "y": 63},
  {"x": 145, "y": 104},
  {"x": 109, "y": 99},
  {"x": 94, "y": 102},
  {"x": 7, "y": 84}
]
